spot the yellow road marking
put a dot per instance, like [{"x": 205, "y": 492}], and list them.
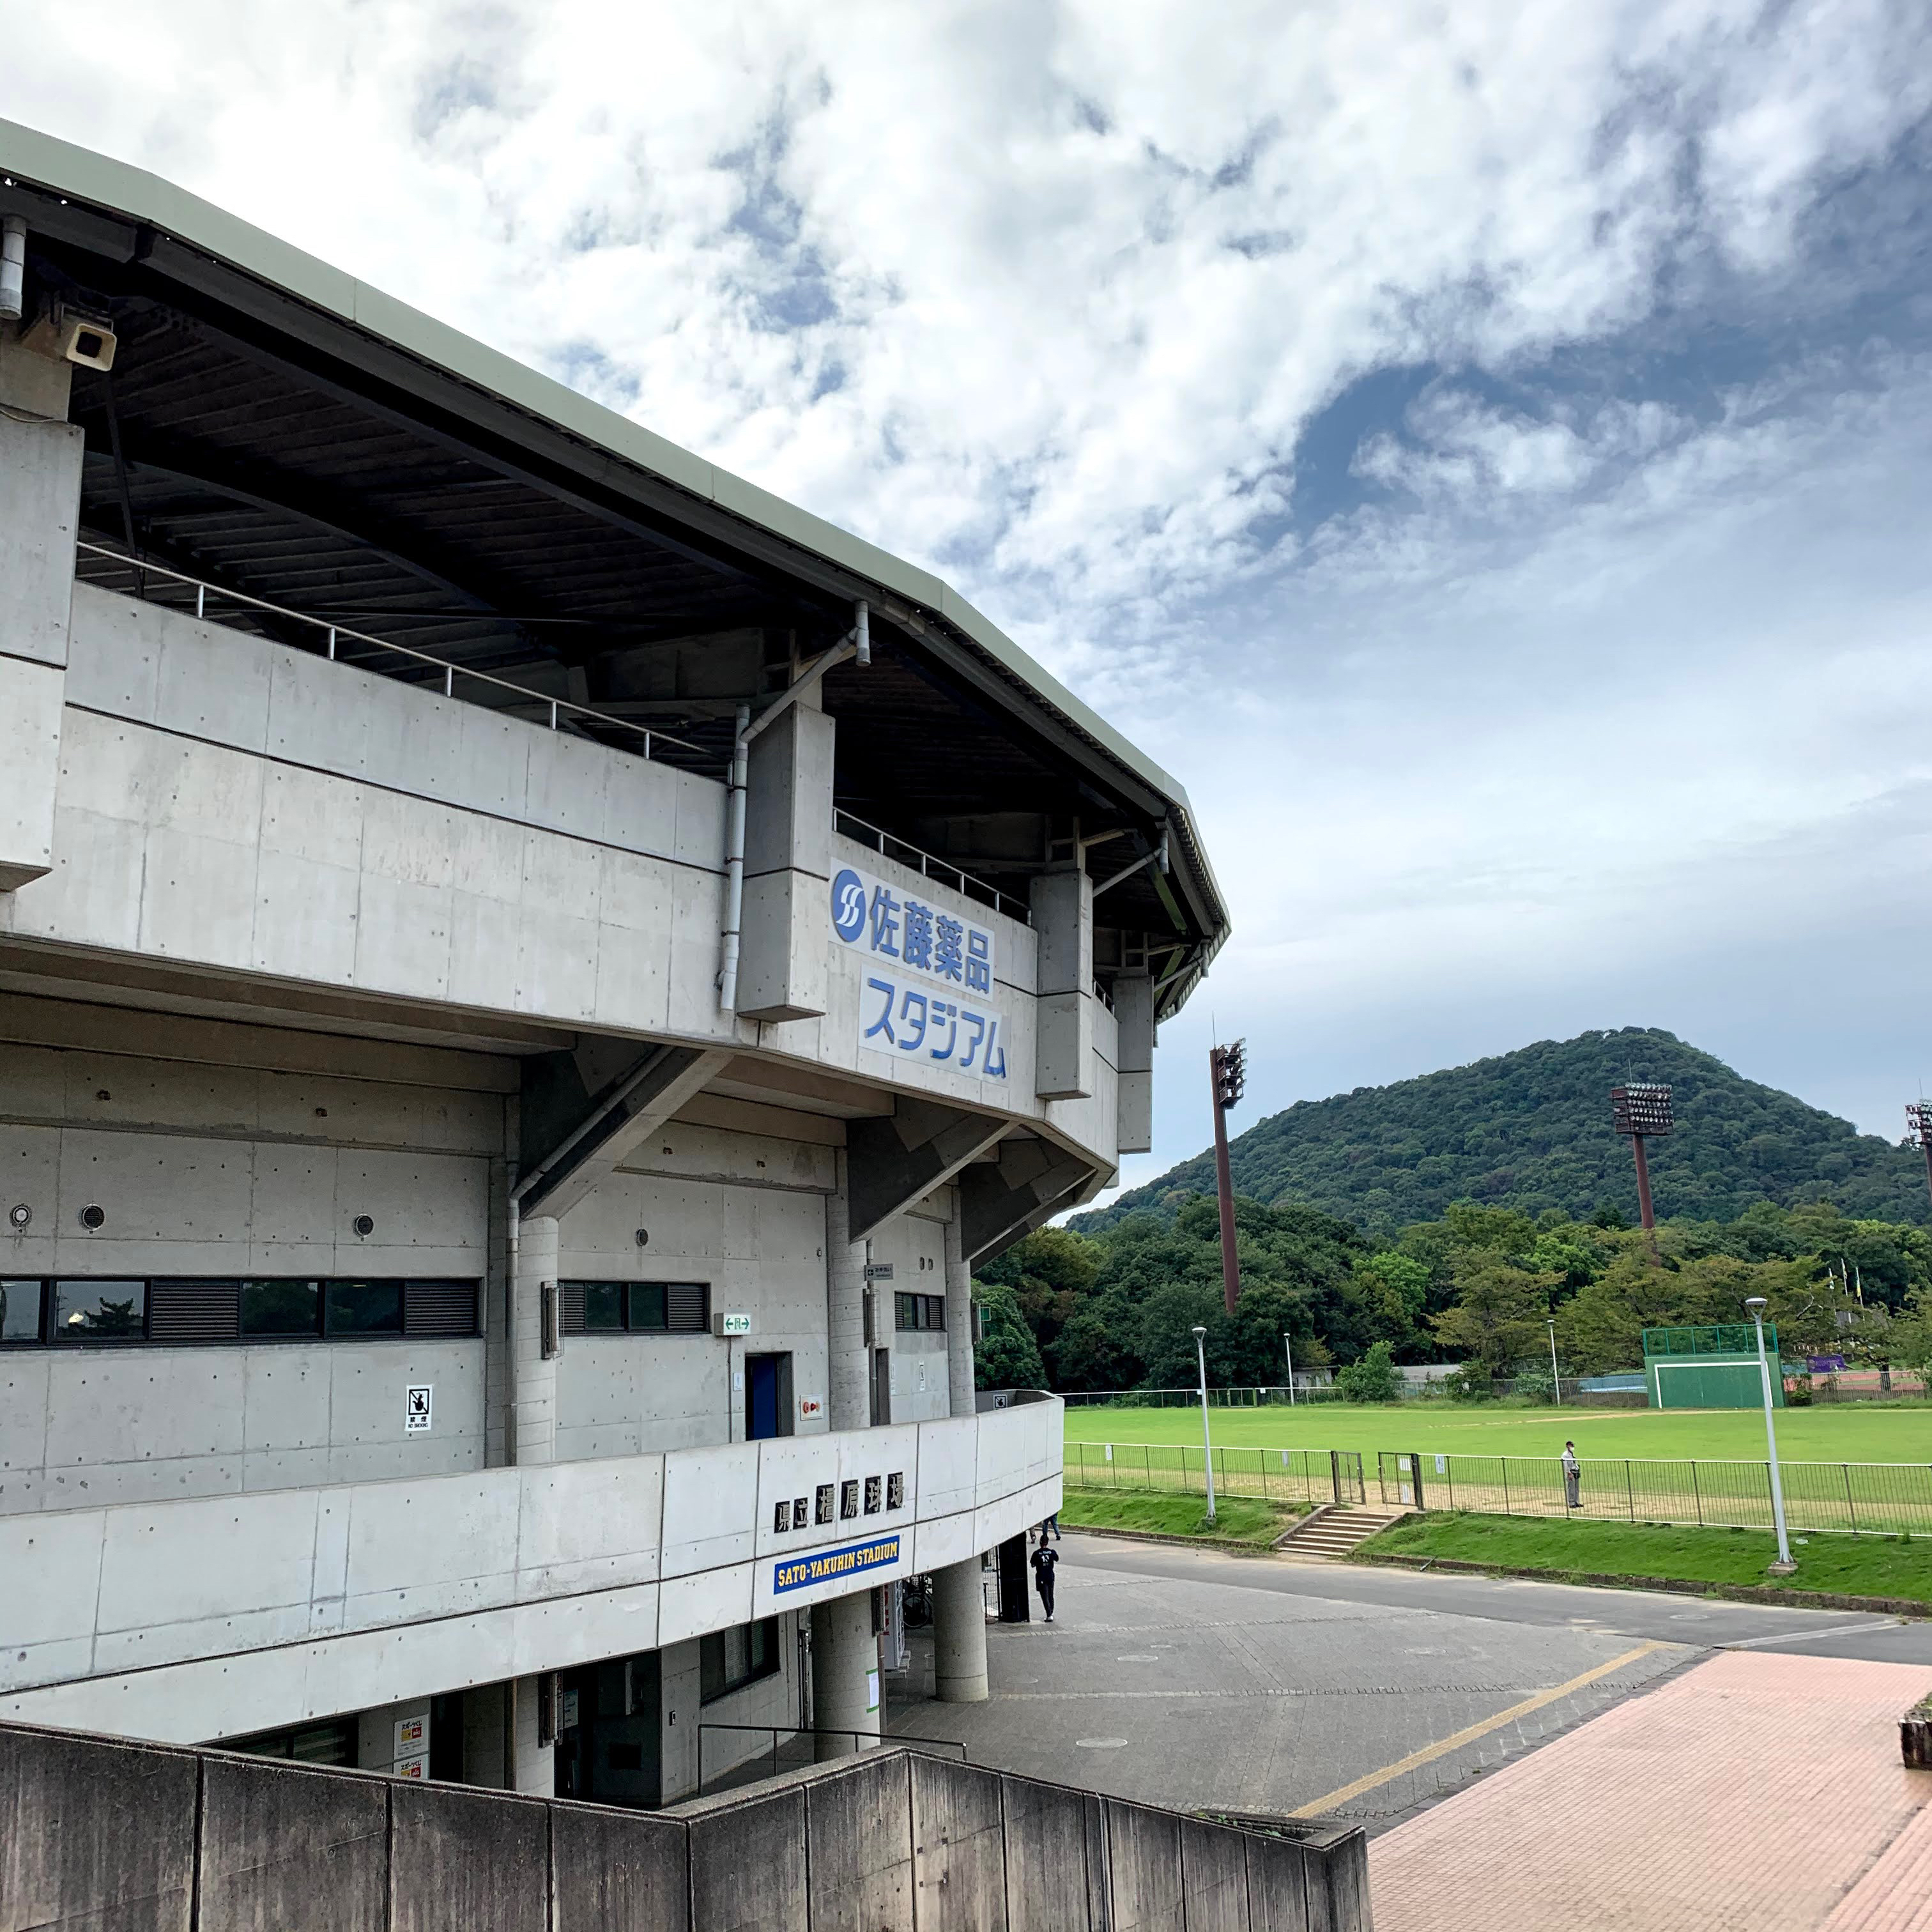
[{"x": 1430, "y": 1753}]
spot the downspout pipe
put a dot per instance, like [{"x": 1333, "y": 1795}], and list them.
[
  {"x": 856, "y": 644},
  {"x": 14, "y": 270}
]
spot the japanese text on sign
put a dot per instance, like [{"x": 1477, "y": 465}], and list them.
[
  {"x": 913, "y": 1019},
  {"x": 903, "y": 932}
]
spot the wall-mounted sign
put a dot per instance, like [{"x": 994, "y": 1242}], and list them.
[
  {"x": 810, "y": 1407},
  {"x": 416, "y": 1410},
  {"x": 878, "y": 1271},
  {"x": 731, "y": 1324},
  {"x": 830, "y": 1566},
  {"x": 417, "y": 1766},
  {"x": 928, "y": 990},
  {"x": 412, "y": 1735}
]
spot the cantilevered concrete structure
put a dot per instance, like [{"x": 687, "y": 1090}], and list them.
[{"x": 529, "y": 971}]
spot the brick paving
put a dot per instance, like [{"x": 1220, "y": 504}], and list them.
[{"x": 1758, "y": 1791}]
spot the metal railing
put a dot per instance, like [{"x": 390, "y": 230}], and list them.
[
  {"x": 1881, "y": 1498},
  {"x": 556, "y": 708},
  {"x": 890, "y": 845},
  {"x": 782, "y": 1735}
]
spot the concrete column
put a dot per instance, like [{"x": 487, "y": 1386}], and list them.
[
  {"x": 484, "y": 1733},
  {"x": 845, "y": 1674},
  {"x": 1012, "y": 1558},
  {"x": 959, "y": 1383},
  {"x": 1063, "y": 921},
  {"x": 40, "y": 516},
  {"x": 959, "y": 1633},
  {"x": 533, "y": 1393},
  {"x": 1134, "y": 1028},
  {"x": 848, "y": 1388},
  {"x": 532, "y": 1765}
]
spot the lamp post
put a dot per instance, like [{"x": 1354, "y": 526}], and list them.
[
  {"x": 1288, "y": 1344},
  {"x": 1556, "y": 1380},
  {"x": 1783, "y": 1566},
  {"x": 1206, "y": 1440}
]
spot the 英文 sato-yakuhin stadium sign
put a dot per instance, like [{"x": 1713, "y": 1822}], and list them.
[
  {"x": 827, "y": 1566},
  {"x": 928, "y": 983}
]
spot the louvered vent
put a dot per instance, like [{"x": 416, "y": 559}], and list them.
[
  {"x": 194, "y": 1311},
  {"x": 439, "y": 1308},
  {"x": 687, "y": 1307},
  {"x": 570, "y": 1307}
]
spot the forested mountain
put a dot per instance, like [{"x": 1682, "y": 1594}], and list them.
[{"x": 1530, "y": 1130}]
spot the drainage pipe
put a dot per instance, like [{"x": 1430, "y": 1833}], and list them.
[{"x": 13, "y": 267}]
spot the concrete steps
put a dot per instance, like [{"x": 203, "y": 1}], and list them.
[{"x": 1332, "y": 1534}]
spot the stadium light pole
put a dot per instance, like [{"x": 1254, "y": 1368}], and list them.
[
  {"x": 1637, "y": 1111},
  {"x": 1288, "y": 1343},
  {"x": 1206, "y": 1440},
  {"x": 1556, "y": 1380},
  {"x": 1227, "y": 1071},
  {"x": 1918, "y": 1127},
  {"x": 1783, "y": 1566}
]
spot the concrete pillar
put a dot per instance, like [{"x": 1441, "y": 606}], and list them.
[
  {"x": 959, "y": 1633},
  {"x": 533, "y": 1393},
  {"x": 483, "y": 1735},
  {"x": 1063, "y": 922},
  {"x": 848, "y": 1387},
  {"x": 959, "y": 1385},
  {"x": 533, "y": 1765},
  {"x": 845, "y": 1688},
  {"x": 1134, "y": 1027},
  {"x": 783, "y": 971},
  {"x": 40, "y": 516},
  {"x": 1012, "y": 1558}
]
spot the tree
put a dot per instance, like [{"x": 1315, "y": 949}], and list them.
[
  {"x": 1372, "y": 1379},
  {"x": 1499, "y": 1311},
  {"x": 1008, "y": 1357}
]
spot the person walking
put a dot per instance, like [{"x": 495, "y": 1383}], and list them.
[
  {"x": 1044, "y": 1562},
  {"x": 1052, "y": 1523},
  {"x": 1573, "y": 1478}
]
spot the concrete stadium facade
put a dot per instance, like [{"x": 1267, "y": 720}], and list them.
[{"x": 494, "y": 1131}]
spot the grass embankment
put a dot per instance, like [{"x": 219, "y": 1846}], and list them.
[
  {"x": 1236, "y": 1519},
  {"x": 1851, "y": 1566},
  {"x": 1864, "y": 1433}
]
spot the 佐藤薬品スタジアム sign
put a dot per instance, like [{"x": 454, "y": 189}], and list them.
[
  {"x": 829, "y": 1566},
  {"x": 929, "y": 987}
]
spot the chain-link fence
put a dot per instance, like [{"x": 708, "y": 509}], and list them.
[{"x": 1876, "y": 1497}]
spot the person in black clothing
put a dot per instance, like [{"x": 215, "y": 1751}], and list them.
[{"x": 1044, "y": 1561}]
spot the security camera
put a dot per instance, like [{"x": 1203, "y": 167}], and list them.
[{"x": 68, "y": 334}]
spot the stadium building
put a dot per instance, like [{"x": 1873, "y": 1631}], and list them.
[{"x": 530, "y": 971}]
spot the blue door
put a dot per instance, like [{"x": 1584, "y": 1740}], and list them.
[{"x": 761, "y": 1397}]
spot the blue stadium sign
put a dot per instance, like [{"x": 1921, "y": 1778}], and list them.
[{"x": 832, "y": 1566}]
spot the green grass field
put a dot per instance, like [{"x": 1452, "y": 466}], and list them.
[
  {"x": 1235, "y": 1517},
  {"x": 1865, "y": 1566},
  {"x": 1849, "y": 1433}
]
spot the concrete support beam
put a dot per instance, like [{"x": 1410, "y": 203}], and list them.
[
  {"x": 1062, "y": 917},
  {"x": 40, "y": 509},
  {"x": 960, "y": 1384},
  {"x": 783, "y": 961},
  {"x": 848, "y": 1387},
  {"x": 959, "y": 1633},
  {"x": 1134, "y": 1022},
  {"x": 897, "y": 1161},
  {"x": 533, "y": 1430},
  {"x": 845, "y": 1693},
  {"x": 620, "y": 1116},
  {"x": 1001, "y": 1200}
]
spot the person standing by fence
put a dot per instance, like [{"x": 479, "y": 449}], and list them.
[{"x": 1573, "y": 1478}]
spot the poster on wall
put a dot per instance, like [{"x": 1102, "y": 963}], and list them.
[{"x": 927, "y": 989}]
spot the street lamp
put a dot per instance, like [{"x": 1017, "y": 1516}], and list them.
[
  {"x": 1288, "y": 1343},
  {"x": 1783, "y": 1566},
  {"x": 1207, "y": 1440},
  {"x": 1556, "y": 1380}
]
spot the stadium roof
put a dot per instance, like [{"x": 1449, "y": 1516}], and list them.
[{"x": 274, "y": 426}]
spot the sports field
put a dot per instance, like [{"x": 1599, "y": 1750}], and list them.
[{"x": 1841, "y": 1433}]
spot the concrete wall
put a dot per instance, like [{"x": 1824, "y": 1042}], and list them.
[
  {"x": 150, "y": 1839},
  {"x": 228, "y": 1615}
]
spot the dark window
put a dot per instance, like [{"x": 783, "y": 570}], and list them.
[
  {"x": 919, "y": 1311},
  {"x": 635, "y": 1307},
  {"x": 729, "y": 1660},
  {"x": 96, "y": 1311},
  {"x": 332, "y": 1743},
  {"x": 281, "y": 1308},
  {"x": 365, "y": 1308},
  {"x": 20, "y": 1311},
  {"x": 905, "y": 1311}
]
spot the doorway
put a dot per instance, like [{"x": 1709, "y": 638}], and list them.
[
  {"x": 882, "y": 1388},
  {"x": 768, "y": 1397}
]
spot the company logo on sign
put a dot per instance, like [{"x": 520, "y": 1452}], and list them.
[
  {"x": 829, "y": 1566},
  {"x": 848, "y": 905}
]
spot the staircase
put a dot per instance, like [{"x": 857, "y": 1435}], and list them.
[{"x": 1330, "y": 1534}]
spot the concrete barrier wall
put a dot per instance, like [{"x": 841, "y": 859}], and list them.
[{"x": 155, "y": 1838}]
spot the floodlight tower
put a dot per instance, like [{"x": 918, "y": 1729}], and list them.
[
  {"x": 1919, "y": 1128},
  {"x": 1639, "y": 1110},
  {"x": 1228, "y": 1067}
]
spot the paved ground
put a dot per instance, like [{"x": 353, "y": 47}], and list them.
[{"x": 1759, "y": 1790}]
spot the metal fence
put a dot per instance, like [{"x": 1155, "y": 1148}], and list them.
[{"x": 1886, "y": 1499}]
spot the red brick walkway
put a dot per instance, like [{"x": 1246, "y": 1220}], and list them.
[{"x": 1757, "y": 1792}]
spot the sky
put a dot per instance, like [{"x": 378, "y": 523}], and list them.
[{"x": 1483, "y": 451}]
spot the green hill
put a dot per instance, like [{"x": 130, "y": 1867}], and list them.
[{"x": 1531, "y": 1129}]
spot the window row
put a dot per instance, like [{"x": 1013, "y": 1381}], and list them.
[
  {"x": 728, "y": 1660},
  {"x": 194, "y": 1310},
  {"x": 919, "y": 1311},
  {"x": 634, "y": 1307}
]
